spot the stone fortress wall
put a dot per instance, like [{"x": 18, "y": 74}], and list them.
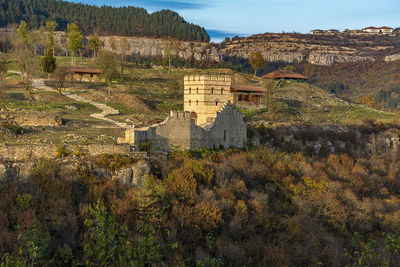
[
  {"x": 180, "y": 130},
  {"x": 208, "y": 120}
]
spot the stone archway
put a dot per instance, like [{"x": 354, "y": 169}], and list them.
[{"x": 193, "y": 115}]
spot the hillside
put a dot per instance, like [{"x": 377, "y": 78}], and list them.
[
  {"x": 315, "y": 49},
  {"x": 378, "y": 79},
  {"x": 315, "y": 185},
  {"x": 105, "y": 20}
]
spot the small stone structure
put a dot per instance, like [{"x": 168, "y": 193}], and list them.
[{"x": 208, "y": 120}]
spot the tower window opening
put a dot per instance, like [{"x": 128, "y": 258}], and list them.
[
  {"x": 197, "y": 102},
  {"x": 212, "y": 90},
  {"x": 197, "y": 90},
  {"x": 222, "y": 91},
  {"x": 216, "y": 102},
  {"x": 190, "y": 102},
  {"x": 190, "y": 90}
]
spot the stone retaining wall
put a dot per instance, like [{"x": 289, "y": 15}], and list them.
[{"x": 31, "y": 152}]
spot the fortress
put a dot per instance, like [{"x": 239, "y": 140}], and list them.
[{"x": 209, "y": 118}]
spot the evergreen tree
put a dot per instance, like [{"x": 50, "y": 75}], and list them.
[
  {"x": 48, "y": 62},
  {"x": 105, "y": 20}
]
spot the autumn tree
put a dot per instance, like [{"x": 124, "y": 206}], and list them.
[
  {"x": 108, "y": 63},
  {"x": 75, "y": 40},
  {"x": 257, "y": 61},
  {"x": 94, "y": 44},
  {"x": 369, "y": 101}
]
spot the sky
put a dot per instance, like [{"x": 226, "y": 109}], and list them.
[{"x": 223, "y": 18}]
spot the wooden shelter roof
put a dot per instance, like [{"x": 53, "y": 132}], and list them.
[
  {"x": 82, "y": 70},
  {"x": 284, "y": 74},
  {"x": 247, "y": 88}
]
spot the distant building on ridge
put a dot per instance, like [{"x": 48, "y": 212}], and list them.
[{"x": 381, "y": 30}]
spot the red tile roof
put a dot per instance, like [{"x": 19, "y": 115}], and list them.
[
  {"x": 85, "y": 70},
  {"x": 371, "y": 28},
  {"x": 386, "y": 28},
  {"x": 247, "y": 88},
  {"x": 284, "y": 74}
]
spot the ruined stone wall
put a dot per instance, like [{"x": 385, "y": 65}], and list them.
[
  {"x": 30, "y": 152},
  {"x": 25, "y": 119},
  {"x": 180, "y": 130},
  {"x": 229, "y": 129}
]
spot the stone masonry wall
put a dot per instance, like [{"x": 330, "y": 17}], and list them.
[
  {"x": 26, "y": 119},
  {"x": 30, "y": 152},
  {"x": 180, "y": 130}
]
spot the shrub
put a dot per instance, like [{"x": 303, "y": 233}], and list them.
[
  {"x": 24, "y": 201},
  {"x": 61, "y": 151},
  {"x": 113, "y": 162}
]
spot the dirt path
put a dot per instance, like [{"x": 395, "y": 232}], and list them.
[{"x": 106, "y": 110}]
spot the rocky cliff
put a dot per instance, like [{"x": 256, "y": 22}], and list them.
[{"x": 286, "y": 47}]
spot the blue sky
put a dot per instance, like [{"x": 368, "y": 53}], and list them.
[{"x": 230, "y": 17}]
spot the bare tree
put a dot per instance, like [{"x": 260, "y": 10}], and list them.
[
  {"x": 4, "y": 63},
  {"x": 60, "y": 74},
  {"x": 125, "y": 46},
  {"x": 173, "y": 45}
]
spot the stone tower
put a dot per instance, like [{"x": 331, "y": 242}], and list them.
[{"x": 204, "y": 95}]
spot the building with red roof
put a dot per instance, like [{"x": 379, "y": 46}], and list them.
[
  {"x": 284, "y": 74},
  {"x": 376, "y": 30}
]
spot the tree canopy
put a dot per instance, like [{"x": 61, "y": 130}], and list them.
[{"x": 105, "y": 20}]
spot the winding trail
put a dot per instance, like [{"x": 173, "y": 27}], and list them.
[{"x": 106, "y": 110}]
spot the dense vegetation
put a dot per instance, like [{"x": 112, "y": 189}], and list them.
[
  {"x": 105, "y": 20},
  {"x": 254, "y": 207},
  {"x": 378, "y": 79}
]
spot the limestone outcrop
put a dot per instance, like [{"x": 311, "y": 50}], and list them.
[{"x": 285, "y": 47}]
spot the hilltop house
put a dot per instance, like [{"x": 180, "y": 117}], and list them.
[
  {"x": 382, "y": 30},
  {"x": 317, "y": 31},
  {"x": 332, "y": 31}
]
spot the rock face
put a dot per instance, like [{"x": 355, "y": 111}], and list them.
[
  {"x": 128, "y": 176},
  {"x": 335, "y": 139},
  {"x": 327, "y": 59},
  {"x": 391, "y": 58},
  {"x": 150, "y": 47},
  {"x": 285, "y": 47},
  {"x": 133, "y": 175}
]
